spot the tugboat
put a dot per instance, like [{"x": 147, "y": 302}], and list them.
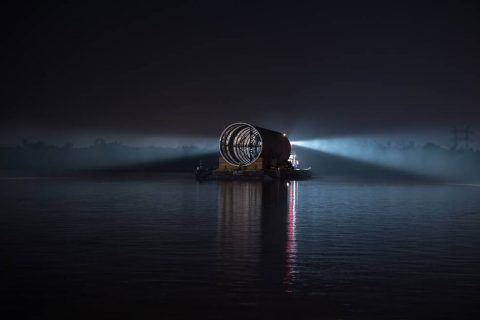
[
  {"x": 202, "y": 173},
  {"x": 250, "y": 152}
]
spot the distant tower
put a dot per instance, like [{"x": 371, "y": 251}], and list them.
[{"x": 462, "y": 137}]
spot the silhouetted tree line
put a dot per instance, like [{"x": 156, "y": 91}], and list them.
[
  {"x": 373, "y": 159},
  {"x": 396, "y": 159},
  {"x": 38, "y": 158}
]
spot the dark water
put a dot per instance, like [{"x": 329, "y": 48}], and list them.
[{"x": 171, "y": 247}]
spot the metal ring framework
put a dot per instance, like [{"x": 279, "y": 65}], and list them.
[{"x": 240, "y": 144}]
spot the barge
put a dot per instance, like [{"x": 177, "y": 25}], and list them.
[{"x": 250, "y": 152}]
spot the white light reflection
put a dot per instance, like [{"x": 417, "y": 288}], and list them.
[{"x": 291, "y": 246}]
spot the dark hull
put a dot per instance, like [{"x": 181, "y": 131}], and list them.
[{"x": 253, "y": 175}]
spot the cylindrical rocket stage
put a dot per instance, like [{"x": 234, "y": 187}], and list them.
[{"x": 242, "y": 144}]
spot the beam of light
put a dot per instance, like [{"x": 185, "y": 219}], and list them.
[
  {"x": 149, "y": 155},
  {"x": 435, "y": 163},
  {"x": 176, "y": 142},
  {"x": 155, "y": 156}
]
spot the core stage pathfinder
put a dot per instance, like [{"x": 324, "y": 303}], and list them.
[
  {"x": 242, "y": 144},
  {"x": 250, "y": 152}
]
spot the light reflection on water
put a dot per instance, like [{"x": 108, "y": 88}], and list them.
[
  {"x": 153, "y": 247},
  {"x": 256, "y": 229},
  {"x": 291, "y": 244}
]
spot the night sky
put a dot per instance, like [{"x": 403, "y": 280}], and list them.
[{"x": 191, "y": 68}]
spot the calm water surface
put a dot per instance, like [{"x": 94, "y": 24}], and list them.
[{"x": 172, "y": 247}]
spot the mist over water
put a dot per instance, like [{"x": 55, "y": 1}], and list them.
[
  {"x": 427, "y": 160},
  {"x": 38, "y": 158},
  {"x": 376, "y": 156}
]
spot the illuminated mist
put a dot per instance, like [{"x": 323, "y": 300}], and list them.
[
  {"x": 159, "y": 154},
  {"x": 428, "y": 160}
]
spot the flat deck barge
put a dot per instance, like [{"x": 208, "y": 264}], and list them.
[{"x": 203, "y": 174}]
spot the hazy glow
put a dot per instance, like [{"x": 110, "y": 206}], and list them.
[
  {"x": 347, "y": 147},
  {"x": 373, "y": 151},
  {"x": 361, "y": 149},
  {"x": 175, "y": 142}
]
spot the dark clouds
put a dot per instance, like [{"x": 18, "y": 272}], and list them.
[{"x": 191, "y": 67}]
